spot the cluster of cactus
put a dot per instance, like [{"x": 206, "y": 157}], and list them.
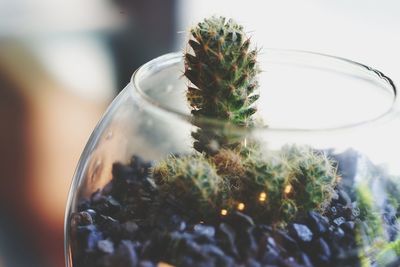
[
  {"x": 227, "y": 172},
  {"x": 295, "y": 179},
  {"x": 271, "y": 188}
]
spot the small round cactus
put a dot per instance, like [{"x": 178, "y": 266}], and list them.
[
  {"x": 192, "y": 181},
  {"x": 313, "y": 177}
]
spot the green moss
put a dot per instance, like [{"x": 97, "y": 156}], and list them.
[
  {"x": 368, "y": 213},
  {"x": 389, "y": 253}
]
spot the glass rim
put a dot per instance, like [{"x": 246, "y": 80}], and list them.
[{"x": 176, "y": 57}]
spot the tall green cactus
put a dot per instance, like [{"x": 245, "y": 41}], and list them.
[{"x": 222, "y": 69}]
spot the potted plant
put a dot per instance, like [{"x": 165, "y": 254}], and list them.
[{"x": 186, "y": 173}]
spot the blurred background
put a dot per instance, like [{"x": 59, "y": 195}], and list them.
[{"x": 62, "y": 63}]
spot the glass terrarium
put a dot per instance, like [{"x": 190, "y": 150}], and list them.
[{"x": 312, "y": 182}]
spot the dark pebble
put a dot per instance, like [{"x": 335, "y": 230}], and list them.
[
  {"x": 89, "y": 235},
  {"x": 246, "y": 244},
  {"x": 286, "y": 240},
  {"x": 96, "y": 197},
  {"x": 92, "y": 213},
  {"x": 271, "y": 244},
  {"x": 204, "y": 230},
  {"x": 186, "y": 261},
  {"x": 225, "y": 261},
  {"x": 226, "y": 237},
  {"x": 188, "y": 247},
  {"x": 333, "y": 211},
  {"x": 339, "y": 221},
  {"x": 106, "y": 246},
  {"x": 355, "y": 211},
  {"x": 270, "y": 258},
  {"x": 108, "y": 188},
  {"x": 140, "y": 166},
  {"x": 240, "y": 221},
  {"x": 129, "y": 229},
  {"x": 84, "y": 205},
  {"x": 390, "y": 219},
  {"x": 337, "y": 233},
  {"x": 107, "y": 205},
  {"x": 112, "y": 204},
  {"x": 305, "y": 260},
  {"x": 175, "y": 223},
  {"x": 213, "y": 250},
  {"x": 122, "y": 172},
  {"x": 300, "y": 232},
  {"x": 318, "y": 223},
  {"x": 338, "y": 210},
  {"x": 125, "y": 255},
  {"x": 110, "y": 226},
  {"x": 289, "y": 262},
  {"x": 393, "y": 232},
  {"x": 146, "y": 264},
  {"x": 262, "y": 228},
  {"x": 348, "y": 227},
  {"x": 322, "y": 260},
  {"x": 252, "y": 263},
  {"x": 322, "y": 248}
]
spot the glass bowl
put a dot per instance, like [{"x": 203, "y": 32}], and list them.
[{"x": 315, "y": 183}]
